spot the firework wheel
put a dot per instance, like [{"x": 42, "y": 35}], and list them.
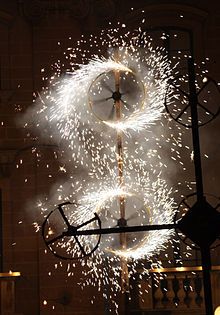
[
  {"x": 61, "y": 238},
  {"x": 198, "y": 222},
  {"x": 178, "y": 106},
  {"x": 137, "y": 213},
  {"x": 112, "y": 87}
]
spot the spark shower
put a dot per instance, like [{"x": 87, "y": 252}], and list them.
[{"x": 106, "y": 114}]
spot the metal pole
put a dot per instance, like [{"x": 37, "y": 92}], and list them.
[
  {"x": 206, "y": 267},
  {"x": 123, "y": 229},
  {"x": 1, "y": 234},
  {"x": 123, "y": 239},
  {"x": 205, "y": 250},
  {"x": 195, "y": 129}
]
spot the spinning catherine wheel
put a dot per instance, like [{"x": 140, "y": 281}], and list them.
[
  {"x": 125, "y": 93},
  {"x": 115, "y": 95},
  {"x": 136, "y": 213}
]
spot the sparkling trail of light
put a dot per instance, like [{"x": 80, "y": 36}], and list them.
[
  {"x": 89, "y": 148},
  {"x": 155, "y": 195},
  {"x": 66, "y": 109}
]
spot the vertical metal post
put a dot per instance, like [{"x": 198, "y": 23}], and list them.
[
  {"x": 206, "y": 267},
  {"x": 195, "y": 129},
  {"x": 1, "y": 233},
  {"x": 205, "y": 250},
  {"x": 123, "y": 238}
]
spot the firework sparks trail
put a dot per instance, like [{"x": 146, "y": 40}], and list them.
[
  {"x": 73, "y": 111},
  {"x": 68, "y": 97}
]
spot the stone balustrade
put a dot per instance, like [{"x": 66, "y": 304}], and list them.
[{"x": 175, "y": 291}]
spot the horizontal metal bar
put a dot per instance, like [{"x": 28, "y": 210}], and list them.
[{"x": 125, "y": 229}]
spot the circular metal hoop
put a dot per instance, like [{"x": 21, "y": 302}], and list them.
[
  {"x": 183, "y": 115},
  {"x": 61, "y": 237},
  {"x": 104, "y": 92},
  {"x": 142, "y": 212}
]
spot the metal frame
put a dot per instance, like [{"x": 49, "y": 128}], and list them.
[{"x": 201, "y": 202}]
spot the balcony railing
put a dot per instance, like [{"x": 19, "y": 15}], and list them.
[{"x": 175, "y": 291}]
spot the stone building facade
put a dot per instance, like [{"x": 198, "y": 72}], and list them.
[{"x": 34, "y": 34}]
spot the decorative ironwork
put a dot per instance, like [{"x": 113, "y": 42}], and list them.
[
  {"x": 194, "y": 217},
  {"x": 203, "y": 95},
  {"x": 55, "y": 240}
]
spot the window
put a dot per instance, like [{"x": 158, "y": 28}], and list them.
[{"x": 175, "y": 40}]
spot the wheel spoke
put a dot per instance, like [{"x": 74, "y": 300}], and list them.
[
  {"x": 111, "y": 115},
  {"x": 53, "y": 240},
  {"x": 63, "y": 215},
  {"x": 182, "y": 112},
  {"x": 178, "y": 88},
  {"x": 85, "y": 223},
  {"x": 202, "y": 88},
  {"x": 186, "y": 204},
  {"x": 104, "y": 84},
  {"x": 103, "y": 100},
  {"x": 126, "y": 92},
  {"x": 206, "y": 109},
  {"x": 126, "y": 104},
  {"x": 133, "y": 216},
  {"x": 80, "y": 246}
]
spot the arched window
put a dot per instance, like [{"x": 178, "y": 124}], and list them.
[
  {"x": 176, "y": 41},
  {"x": 177, "y": 27}
]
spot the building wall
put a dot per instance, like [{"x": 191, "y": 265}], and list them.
[{"x": 34, "y": 34}]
